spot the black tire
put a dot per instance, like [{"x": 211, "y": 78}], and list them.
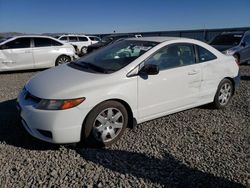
[
  {"x": 62, "y": 59},
  {"x": 92, "y": 136},
  {"x": 221, "y": 100}
]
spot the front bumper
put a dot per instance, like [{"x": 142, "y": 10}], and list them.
[{"x": 58, "y": 126}]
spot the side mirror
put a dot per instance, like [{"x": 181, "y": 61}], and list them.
[
  {"x": 243, "y": 44},
  {"x": 149, "y": 69}
]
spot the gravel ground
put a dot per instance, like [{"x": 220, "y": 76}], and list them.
[{"x": 201, "y": 147}]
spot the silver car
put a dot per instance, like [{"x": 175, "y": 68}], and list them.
[{"x": 234, "y": 43}]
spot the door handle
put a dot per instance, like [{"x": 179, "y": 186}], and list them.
[
  {"x": 27, "y": 51},
  {"x": 193, "y": 72}
]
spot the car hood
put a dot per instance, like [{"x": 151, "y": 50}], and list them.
[
  {"x": 222, "y": 48},
  {"x": 63, "y": 82},
  {"x": 97, "y": 45}
]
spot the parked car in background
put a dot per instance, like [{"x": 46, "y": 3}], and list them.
[
  {"x": 109, "y": 40},
  {"x": 80, "y": 42},
  {"x": 32, "y": 52},
  {"x": 234, "y": 43},
  {"x": 134, "y": 80}
]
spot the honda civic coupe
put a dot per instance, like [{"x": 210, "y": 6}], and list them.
[
  {"x": 94, "y": 99},
  {"x": 33, "y": 52}
]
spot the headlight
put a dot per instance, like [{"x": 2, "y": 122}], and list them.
[{"x": 46, "y": 104}]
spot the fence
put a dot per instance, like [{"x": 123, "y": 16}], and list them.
[{"x": 201, "y": 34}]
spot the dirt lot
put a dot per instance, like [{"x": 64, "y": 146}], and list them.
[{"x": 201, "y": 147}]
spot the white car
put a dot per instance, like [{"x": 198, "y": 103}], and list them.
[
  {"x": 128, "y": 82},
  {"x": 33, "y": 52},
  {"x": 80, "y": 41}
]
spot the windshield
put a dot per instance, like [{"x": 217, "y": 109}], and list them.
[
  {"x": 116, "y": 56},
  {"x": 4, "y": 39},
  {"x": 227, "y": 39}
]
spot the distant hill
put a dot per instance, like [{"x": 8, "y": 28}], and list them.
[{"x": 10, "y": 34}]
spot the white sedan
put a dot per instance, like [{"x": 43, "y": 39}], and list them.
[
  {"x": 128, "y": 82},
  {"x": 33, "y": 52}
]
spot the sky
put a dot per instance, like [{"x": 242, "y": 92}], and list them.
[{"x": 106, "y": 16}]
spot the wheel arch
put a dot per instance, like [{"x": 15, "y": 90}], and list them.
[
  {"x": 131, "y": 119},
  {"x": 233, "y": 82},
  {"x": 61, "y": 56}
]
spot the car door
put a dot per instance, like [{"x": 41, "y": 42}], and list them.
[
  {"x": 44, "y": 53},
  {"x": 175, "y": 87},
  {"x": 17, "y": 54},
  {"x": 245, "y": 52},
  {"x": 211, "y": 74}
]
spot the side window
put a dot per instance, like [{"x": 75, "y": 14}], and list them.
[
  {"x": 82, "y": 38},
  {"x": 73, "y": 39},
  {"x": 18, "y": 43},
  {"x": 42, "y": 42},
  {"x": 171, "y": 56},
  {"x": 94, "y": 39},
  {"x": 205, "y": 55},
  {"x": 64, "y": 38},
  {"x": 56, "y": 43}
]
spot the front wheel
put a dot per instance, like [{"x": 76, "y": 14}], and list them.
[
  {"x": 105, "y": 124},
  {"x": 224, "y": 94}
]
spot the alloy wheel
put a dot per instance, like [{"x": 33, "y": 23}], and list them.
[{"x": 108, "y": 125}]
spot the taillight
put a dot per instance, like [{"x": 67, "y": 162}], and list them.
[{"x": 237, "y": 61}]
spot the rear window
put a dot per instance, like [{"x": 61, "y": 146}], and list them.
[
  {"x": 94, "y": 39},
  {"x": 227, "y": 39}
]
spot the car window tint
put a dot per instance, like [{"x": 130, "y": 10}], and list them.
[
  {"x": 64, "y": 38},
  {"x": 82, "y": 38},
  {"x": 18, "y": 43},
  {"x": 172, "y": 56},
  {"x": 42, "y": 42},
  {"x": 94, "y": 39},
  {"x": 73, "y": 39},
  {"x": 56, "y": 43},
  {"x": 205, "y": 55},
  {"x": 227, "y": 39}
]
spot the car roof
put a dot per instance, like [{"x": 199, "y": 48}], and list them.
[{"x": 156, "y": 39}]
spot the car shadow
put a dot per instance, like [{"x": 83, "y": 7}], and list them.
[
  {"x": 166, "y": 170},
  {"x": 13, "y": 133},
  {"x": 23, "y": 71}
]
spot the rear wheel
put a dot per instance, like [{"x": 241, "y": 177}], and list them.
[
  {"x": 105, "y": 124},
  {"x": 84, "y": 50},
  {"x": 62, "y": 59},
  {"x": 224, "y": 94}
]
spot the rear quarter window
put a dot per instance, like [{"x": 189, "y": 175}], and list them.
[{"x": 205, "y": 55}]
